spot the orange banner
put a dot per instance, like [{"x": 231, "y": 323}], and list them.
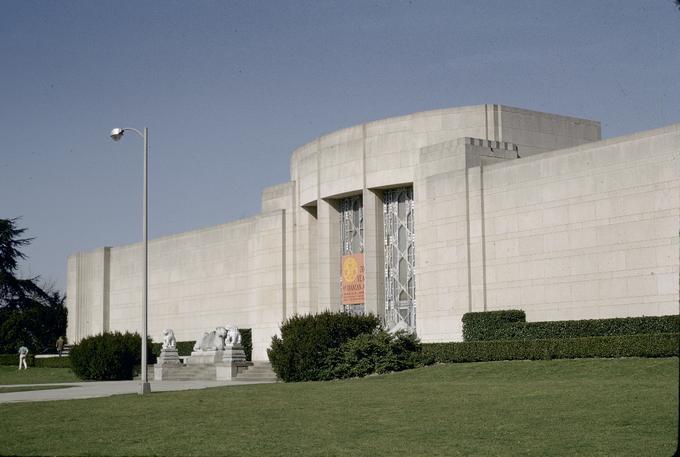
[{"x": 352, "y": 279}]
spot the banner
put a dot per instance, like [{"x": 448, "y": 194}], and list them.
[{"x": 352, "y": 279}]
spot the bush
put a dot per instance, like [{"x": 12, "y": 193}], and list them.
[
  {"x": 108, "y": 356},
  {"x": 186, "y": 347},
  {"x": 512, "y": 325},
  {"x": 302, "y": 351},
  {"x": 648, "y": 345},
  {"x": 378, "y": 352}
]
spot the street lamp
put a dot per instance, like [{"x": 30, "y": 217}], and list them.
[{"x": 117, "y": 134}]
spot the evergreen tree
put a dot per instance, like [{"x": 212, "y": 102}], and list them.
[{"x": 29, "y": 315}]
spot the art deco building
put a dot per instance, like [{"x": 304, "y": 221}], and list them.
[{"x": 419, "y": 219}]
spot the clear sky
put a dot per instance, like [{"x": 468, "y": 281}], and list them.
[{"x": 229, "y": 89}]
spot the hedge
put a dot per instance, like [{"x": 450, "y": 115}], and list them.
[
  {"x": 649, "y": 345},
  {"x": 13, "y": 359},
  {"x": 484, "y": 326},
  {"x": 31, "y": 361},
  {"x": 52, "y": 362},
  {"x": 186, "y": 347},
  {"x": 512, "y": 325}
]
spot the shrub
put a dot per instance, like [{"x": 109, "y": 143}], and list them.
[
  {"x": 108, "y": 356},
  {"x": 378, "y": 352},
  {"x": 302, "y": 351},
  {"x": 646, "y": 345},
  {"x": 186, "y": 347},
  {"x": 511, "y": 325}
]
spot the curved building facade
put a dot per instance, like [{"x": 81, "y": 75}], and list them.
[{"x": 419, "y": 219}]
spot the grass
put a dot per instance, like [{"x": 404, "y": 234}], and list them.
[
  {"x": 12, "y": 375},
  {"x": 597, "y": 407},
  {"x": 4, "y": 390}
]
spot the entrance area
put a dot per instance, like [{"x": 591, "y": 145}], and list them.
[
  {"x": 352, "y": 249},
  {"x": 400, "y": 283}
]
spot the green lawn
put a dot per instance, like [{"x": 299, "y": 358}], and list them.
[
  {"x": 594, "y": 407},
  {"x": 12, "y": 375}
]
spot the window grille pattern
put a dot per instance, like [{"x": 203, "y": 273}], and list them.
[
  {"x": 352, "y": 236},
  {"x": 400, "y": 282}
]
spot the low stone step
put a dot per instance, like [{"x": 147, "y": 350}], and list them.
[
  {"x": 271, "y": 379},
  {"x": 260, "y": 371}
]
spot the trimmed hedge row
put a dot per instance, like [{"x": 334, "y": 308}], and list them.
[
  {"x": 186, "y": 347},
  {"x": 13, "y": 359},
  {"x": 649, "y": 345},
  {"x": 183, "y": 348},
  {"x": 52, "y": 362},
  {"x": 31, "y": 361},
  {"x": 483, "y": 326},
  {"x": 512, "y": 325}
]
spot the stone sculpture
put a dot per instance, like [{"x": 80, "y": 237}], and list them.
[
  {"x": 220, "y": 350},
  {"x": 169, "y": 340},
  {"x": 233, "y": 337},
  {"x": 169, "y": 355},
  {"x": 211, "y": 341}
]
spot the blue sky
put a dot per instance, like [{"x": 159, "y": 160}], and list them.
[{"x": 229, "y": 89}]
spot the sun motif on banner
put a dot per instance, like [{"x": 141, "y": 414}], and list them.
[{"x": 350, "y": 269}]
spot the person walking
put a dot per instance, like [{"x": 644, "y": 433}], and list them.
[
  {"x": 23, "y": 353},
  {"x": 60, "y": 345}
]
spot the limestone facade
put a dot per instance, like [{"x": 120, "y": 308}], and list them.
[{"x": 512, "y": 209}]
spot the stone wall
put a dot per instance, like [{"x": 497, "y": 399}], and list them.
[
  {"x": 230, "y": 273},
  {"x": 586, "y": 232}
]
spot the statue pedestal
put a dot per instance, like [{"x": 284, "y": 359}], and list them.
[
  {"x": 234, "y": 353},
  {"x": 205, "y": 357},
  {"x": 233, "y": 363},
  {"x": 169, "y": 358}
]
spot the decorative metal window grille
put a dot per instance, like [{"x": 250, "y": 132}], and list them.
[
  {"x": 400, "y": 281},
  {"x": 352, "y": 234}
]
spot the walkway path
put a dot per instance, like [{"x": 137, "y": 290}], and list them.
[{"x": 78, "y": 390}]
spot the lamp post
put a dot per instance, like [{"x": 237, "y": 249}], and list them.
[{"x": 117, "y": 134}]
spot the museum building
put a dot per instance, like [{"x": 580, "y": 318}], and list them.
[{"x": 418, "y": 219}]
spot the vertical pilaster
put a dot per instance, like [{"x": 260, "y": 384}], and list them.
[
  {"x": 374, "y": 253},
  {"x": 106, "y": 289},
  {"x": 328, "y": 255}
]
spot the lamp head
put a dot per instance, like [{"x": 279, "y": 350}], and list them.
[{"x": 117, "y": 134}]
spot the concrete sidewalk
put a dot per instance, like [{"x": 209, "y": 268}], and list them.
[{"x": 79, "y": 390}]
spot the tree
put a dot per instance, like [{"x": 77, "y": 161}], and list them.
[{"x": 29, "y": 315}]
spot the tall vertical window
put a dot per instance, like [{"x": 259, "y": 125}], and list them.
[
  {"x": 352, "y": 249},
  {"x": 400, "y": 282}
]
